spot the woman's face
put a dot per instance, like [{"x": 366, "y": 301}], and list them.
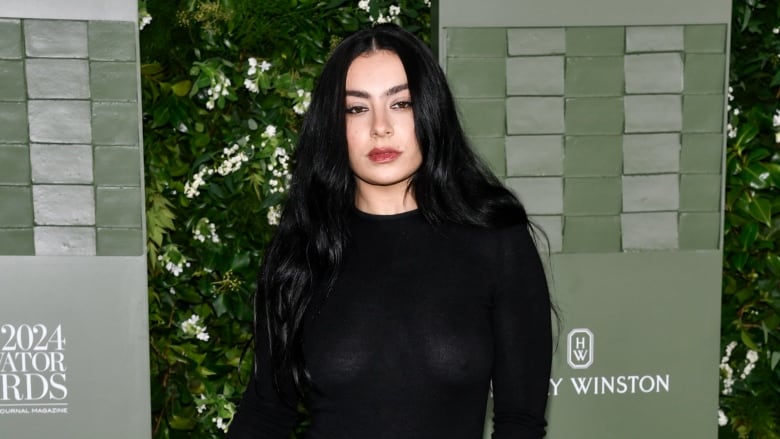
[{"x": 383, "y": 148}]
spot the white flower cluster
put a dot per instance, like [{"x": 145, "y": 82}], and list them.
[
  {"x": 751, "y": 358},
  {"x": 302, "y": 101},
  {"x": 201, "y": 407},
  {"x": 192, "y": 188},
  {"x": 776, "y": 30},
  {"x": 392, "y": 12},
  {"x": 280, "y": 169},
  {"x": 191, "y": 327},
  {"x": 174, "y": 267},
  {"x": 219, "y": 88},
  {"x": 210, "y": 230},
  {"x": 723, "y": 420},
  {"x": 250, "y": 82},
  {"x": 144, "y": 19},
  {"x": 731, "y": 130},
  {"x": 221, "y": 424},
  {"x": 233, "y": 160},
  {"x": 274, "y": 215}
]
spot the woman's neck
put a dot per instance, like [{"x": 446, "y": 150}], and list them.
[{"x": 378, "y": 200}]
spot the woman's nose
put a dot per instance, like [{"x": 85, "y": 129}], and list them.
[{"x": 381, "y": 125}]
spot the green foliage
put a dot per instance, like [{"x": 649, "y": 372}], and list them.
[
  {"x": 224, "y": 85},
  {"x": 750, "y": 384}
]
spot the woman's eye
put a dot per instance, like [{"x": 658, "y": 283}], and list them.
[
  {"x": 355, "y": 109},
  {"x": 403, "y": 105}
]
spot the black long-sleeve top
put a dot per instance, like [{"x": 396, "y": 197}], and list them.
[{"x": 420, "y": 321}]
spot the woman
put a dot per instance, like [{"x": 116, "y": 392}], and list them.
[{"x": 403, "y": 278}]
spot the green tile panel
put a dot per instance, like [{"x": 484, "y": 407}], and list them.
[
  {"x": 706, "y": 38},
  {"x": 475, "y": 77},
  {"x": 539, "y": 195},
  {"x": 594, "y": 76},
  {"x": 119, "y": 207},
  {"x": 61, "y": 164},
  {"x": 483, "y": 117},
  {"x": 654, "y": 39},
  {"x": 13, "y": 122},
  {"x": 592, "y": 196},
  {"x": 16, "y": 206},
  {"x": 595, "y": 41},
  {"x": 535, "y": 75},
  {"x": 591, "y": 234},
  {"x": 12, "y": 80},
  {"x": 551, "y": 238},
  {"x": 703, "y": 113},
  {"x": 121, "y": 165},
  {"x": 55, "y": 38},
  {"x": 593, "y": 156},
  {"x": 476, "y": 42},
  {"x": 112, "y": 40},
  {"x": 536, "y": 41},
  {"x": 115, "y": 123},
  {"x": 649, "y": 231},
  {"x": 491, "y": 150},
  {"x": 17, "y": 242},
  {"x": 11, "y": 36},
  {"x": 653, "y": 113},
  {"x": 699, "y": 231},
  {"x": 700, "y": 192},
  {"x": 64, "y": 205},
  {"x": 117, "y": 81},
  {"x": 594, "y": 116},
  {"x": 654, "y": 73},
  {"x": 59, "y": 121},
  {"x": 64, "y": 241},
  {"x": 701, "y": 153},
  {"x": 647, "y": 193},
  {"x": 534, "y": 115},
  {"x": 705, "y": 73},
  {"x": 119, "y": 242},
  {"x": 57, "y": 78},
  {"x": 14, "y": 165},
  {"x": 534, "y": 155},
  {"x": 651, "y": 153}
]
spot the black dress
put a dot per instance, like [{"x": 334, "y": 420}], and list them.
[{"x": 421, "y": 320}]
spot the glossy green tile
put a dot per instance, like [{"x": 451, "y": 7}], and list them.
[
  {"x": 654, "y": 73},
  {"x": 11, "y": 36},
  {"x": 700, "y": 192},
  {"x": 55, "y": 38},
  {"x": 592, "y": 196},
  {"x": 706, "y": 38},
  {"x": 591, "y": 234},
  {"x": 594, "y": 76},
  {"x": 534, "y": 155},
  {"x": 705, "y": 73},
  {"x": 491, "y": 150},
  {"x": 539, "y": 195},
  {"x": 112, "y": 40},
  {"x": 701, "y": 153},
  {"x": 651, "y": 153},
  {"x": 594, "y": 116},
  {"x": 57, "y": 78},
  {"x": 699, "y": 231},
  {"x": 115, "y": 123},
  {"x": 535, "y": 75},
  {"x": 483, "y": 117},
  {"x": 654, "y": 39},
  {"x": 117, "y": 166},
  {"x": 13, "y": 122},
  {"x": 114, "y": 81},
  {"x": 550, "y": 240},
  {"x": 593, "y": 156},
  {"x": 703, "y": 113},
  {"x": 477, "y": 77},
  {"x": 653, "y": 113},
  {"x": 476, "y": 42},
  {"x": 595, "y": 41},
  {"x": 536, "y": 41},
  {"x": 17, "y": 242},
  {"x": 59, "y": 121},
  {"x": 12, "y": 81},
  {"x": 119, "y": 207},
  {"x": 534, "y": 115},
  {"x": 16, "y": 207},
  {"x": 649, "y": 231},
  {"x": 119, "y": 242},
  {"x": 14, "y": 164},
  {"x": 650, "y": 193}
]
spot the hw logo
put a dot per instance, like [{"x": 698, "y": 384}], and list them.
[{"x": 579, "y": 354}]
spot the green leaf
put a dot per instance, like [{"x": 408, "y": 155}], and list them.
[
  {"x": 774, "y": 359},
  {"x": 182, "y": 88},
  {"x": 181, "y": 423},
  {"x": 761, "y": 210},
  {"x": 748, "y": 235},
  {"x": 748, "y": 341}
]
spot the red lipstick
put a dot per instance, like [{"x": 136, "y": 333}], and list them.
[{"x": 383, "y": 155}]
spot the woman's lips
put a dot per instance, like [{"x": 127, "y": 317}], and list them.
[{"x": 383, "y": 155}]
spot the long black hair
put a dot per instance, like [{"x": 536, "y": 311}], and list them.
[{"x": 451, "y": 186}]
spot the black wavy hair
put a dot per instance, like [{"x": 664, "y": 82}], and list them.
[{"x": 451, "y": 186}]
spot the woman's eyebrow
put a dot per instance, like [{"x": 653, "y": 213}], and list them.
[{"x": 390, "y": 91}]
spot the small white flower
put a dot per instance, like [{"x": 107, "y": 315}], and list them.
[
  {"x": 364, "y": 5},
  {"x": 265, "y": 66},
  {"x": 202, "y": 335},
  {"x": 270, "y": 131},
  {"x": 752, "y": 356},
  {"x": 722, "y": 419},
  {"x": 776, "y": 119},
  {"x": 146, "y": 19},
  {"x": 252, "y": 62},
  {"x": 776, "y": 30},
  {"x": 210, "y": 105},
  {"x": 394, "y": 10}
]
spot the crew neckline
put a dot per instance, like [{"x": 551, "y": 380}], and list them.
[{"x": 380, "y": 217}]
